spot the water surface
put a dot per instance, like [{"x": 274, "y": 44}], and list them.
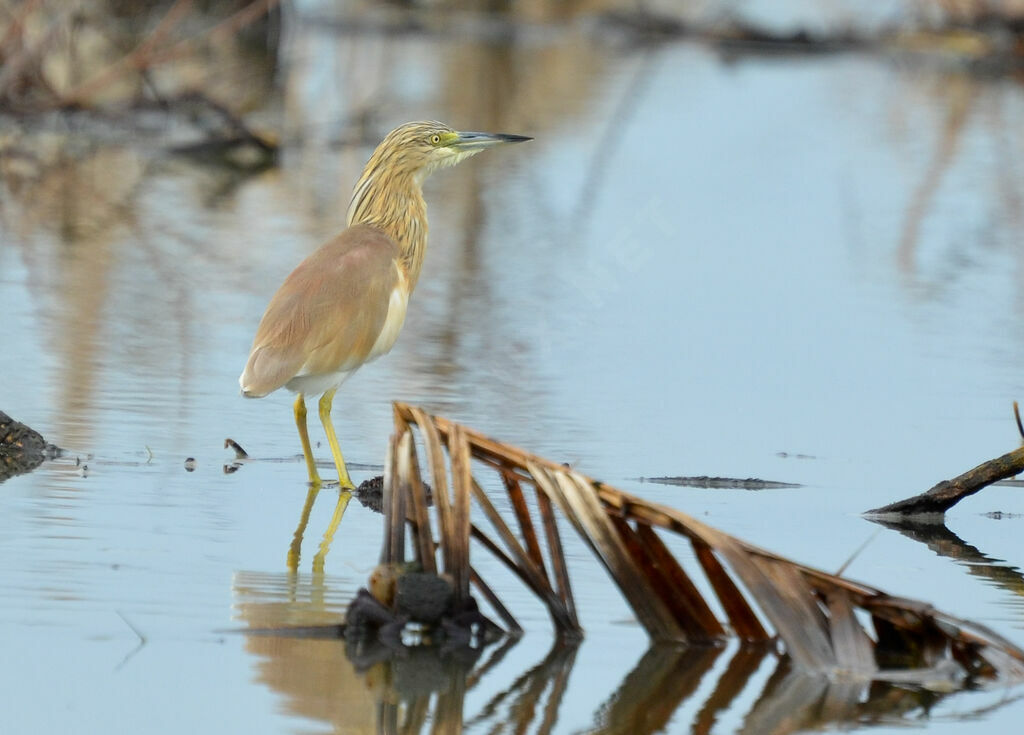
[{"x": 800, "y": 270}]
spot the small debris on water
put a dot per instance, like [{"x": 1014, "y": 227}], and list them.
[
  {"x": 190, "y": 464},
  {"x": 240, "y": 453}
]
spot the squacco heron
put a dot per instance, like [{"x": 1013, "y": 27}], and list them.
[{"x": 345, "y": 304}]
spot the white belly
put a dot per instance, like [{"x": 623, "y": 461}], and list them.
[
  {"x": 393, "y": 322},
  {"x": 313, "y": 384}
]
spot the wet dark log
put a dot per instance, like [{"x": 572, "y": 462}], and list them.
[{"x": 948, "y": 493}]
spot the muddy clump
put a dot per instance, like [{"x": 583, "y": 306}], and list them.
[
  {"x": 370, "y": 494},
  {"x": 22, "y": 448}
]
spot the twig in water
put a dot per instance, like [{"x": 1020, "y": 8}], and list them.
[
  {"x": 842, "y": 569},
  {"x": 142, "y": 640},
  {"x": 239, "y": 452}
]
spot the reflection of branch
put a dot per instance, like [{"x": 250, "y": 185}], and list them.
[
  {"x": 938, "y": 538},
  {"x": 1005, "y": 172},
  {"x": 962, "y": 94},
  {"x": 613, "y": 133},
  {"x": 142, "y": 640}
]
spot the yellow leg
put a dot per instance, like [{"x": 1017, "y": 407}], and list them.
[
  {"x": 325, "y": 545},
  {"x": 296, "y": 546},
  {"x": 307, "y": 452},
  {"x": 332, "y": 439}
]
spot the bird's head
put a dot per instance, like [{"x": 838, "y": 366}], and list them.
[
  {"x": 419, "y": 148},
  {"x": 397, "y": 168}
]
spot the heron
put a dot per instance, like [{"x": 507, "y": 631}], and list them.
[{"x": 345, "y": 304}]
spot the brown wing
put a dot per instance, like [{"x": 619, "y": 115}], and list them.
[{"x": 327, "y": 314}]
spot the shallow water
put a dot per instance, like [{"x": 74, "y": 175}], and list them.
[{"x": 803, "y": 270}]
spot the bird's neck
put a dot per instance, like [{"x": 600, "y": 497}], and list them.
[{"x": 394, "y": 204}]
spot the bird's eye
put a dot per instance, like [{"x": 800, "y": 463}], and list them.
[{"x": 435, "y": 139}]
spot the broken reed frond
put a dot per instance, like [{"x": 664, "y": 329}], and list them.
[
  {"x": 455, "y": 525},
  {"x": 764, "y": 597}
]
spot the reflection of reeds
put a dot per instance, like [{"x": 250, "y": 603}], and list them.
[
  {"x": 667, "y": 677},
  {"x": 960, "y": 96},
  {"x": 522, "y": 701},
  {"x": 961, "y": 107},
  {"x": 675, "y": 673},
  {"x": 424, "y": 690}
]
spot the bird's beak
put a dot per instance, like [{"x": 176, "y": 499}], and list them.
[{"x": 473, "y": 142}]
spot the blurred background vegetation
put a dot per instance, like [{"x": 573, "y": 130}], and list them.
[
  {"x": 220, "y": 60},
  {"x": 95, "y": 93}
]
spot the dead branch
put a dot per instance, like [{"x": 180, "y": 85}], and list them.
[{"x": 946, "y": 494}]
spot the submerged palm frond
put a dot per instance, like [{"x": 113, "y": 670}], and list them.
[{"x": 825, "y": 623}]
